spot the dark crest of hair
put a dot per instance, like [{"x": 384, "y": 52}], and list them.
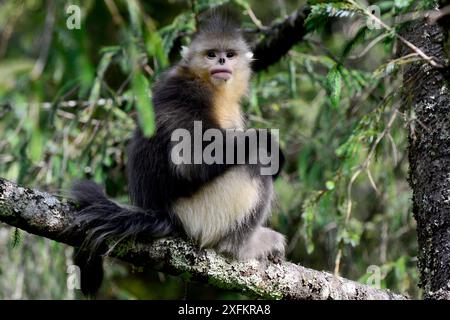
[{"x": 220, "y": 20}]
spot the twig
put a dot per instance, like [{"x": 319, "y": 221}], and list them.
[
  {"x": 117, "y": 18},
  {"x": 430, "y": 60},
  {"x": 46, "y": 41},
  {"x": 362, "y": 168},
  {"x": 435, "y": 16},
  {"x": 9, "y": 28},
  {"x": 369, "y": 47},
  {"x": 254, "y": 19}
]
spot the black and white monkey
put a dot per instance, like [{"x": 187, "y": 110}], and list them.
[{"x": 220, "y": 206}]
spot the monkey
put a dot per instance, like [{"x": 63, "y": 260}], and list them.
[{"x": 223, "y": 206}]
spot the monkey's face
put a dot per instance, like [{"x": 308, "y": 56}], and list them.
[{"x": 221, "y": 62}]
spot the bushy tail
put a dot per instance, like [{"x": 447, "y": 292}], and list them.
[
  {"x": 91, "y": 271},
  {"x": 104, "y": 223}
]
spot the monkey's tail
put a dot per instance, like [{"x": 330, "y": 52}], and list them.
[
  {"x": 104, "y": 223},
  {"x": 91, "y": 271}
]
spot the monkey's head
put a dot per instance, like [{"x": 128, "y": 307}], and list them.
[{"x": 219, "y": 53}]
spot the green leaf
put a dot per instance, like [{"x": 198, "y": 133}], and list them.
[
  {"x": 308, "y": 219},
  {"x": 140, "y": 87},
  {"x": 16, "y": 238},
  {"x": 321, "y": 12},
  {"x": 330, "y": 185},
  {"x": 35, "y": 147},
  {"x": 135, "y": 17},
  {"x": 401, "y": 4},
  {"x": 183, "y": 23},
  {"x": 292, "y": 78},
  {"x": 155, "y": 48},
  {"x": 103, "y": 66},
  {"x": 357, "y": 39},
  {"x": 334, "y": 84},
  {"x": 10, "y": 69},
  {"x": 95, "y": 92}
]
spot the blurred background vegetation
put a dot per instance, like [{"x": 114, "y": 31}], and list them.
[{"x": 67, "y": 112}]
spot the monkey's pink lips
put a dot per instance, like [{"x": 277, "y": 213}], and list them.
[{"x": 222, "y": 74}]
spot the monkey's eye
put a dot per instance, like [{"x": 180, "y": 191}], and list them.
[
  {"x": 231, "y": 54},
  {"x": 211, "y": 54}
]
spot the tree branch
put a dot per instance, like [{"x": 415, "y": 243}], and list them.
[
  {"x": 45, "y": 215},
  {"x": 279, "y": 39}
]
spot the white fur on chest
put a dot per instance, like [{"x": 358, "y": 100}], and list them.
[{"x": 219, "y": 206}]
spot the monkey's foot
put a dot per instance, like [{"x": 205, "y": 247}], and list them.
[
  {"x": 263, "y": 244},
  {"x": 276, "y": 257}
]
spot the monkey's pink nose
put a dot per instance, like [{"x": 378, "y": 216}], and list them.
[{"x": 221, "y": 74}]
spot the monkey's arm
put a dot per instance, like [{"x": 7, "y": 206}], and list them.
[{"x": 238, "y": 150}]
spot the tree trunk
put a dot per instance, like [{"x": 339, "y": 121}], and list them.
[{"x": 427, "y": 93}]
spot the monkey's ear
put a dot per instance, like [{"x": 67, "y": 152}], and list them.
[
  {"x": 249, "y": 55},
  {"x": 184, "y": 52}
]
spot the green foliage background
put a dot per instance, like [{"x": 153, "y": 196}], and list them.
[{"x": 336, "y": 98}]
